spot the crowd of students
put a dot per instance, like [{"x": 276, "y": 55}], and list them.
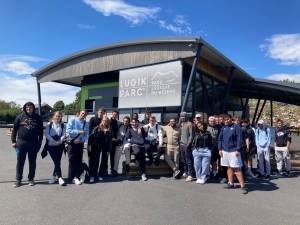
[{"x": 214, "y": 151}]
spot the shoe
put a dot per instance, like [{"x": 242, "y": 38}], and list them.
[
  {"x": 144, "y": 178},
  {"x": 31, "y": 183},
  {"x": 288, "y": 173},
  {"x": 82, "y": 177},
  {"x": 251, "y": 174},
  {"x": 100, "y": 178},
  {"x": 244, "y": 190},
  {"x": 279, "y": 174},
  {"x": 198, "y": 181},
  {"x": 149, "y": 163},
  {"x": 184, "y": 175},
  {"x": 114, "y": 173},
  {"x": 175, "y": 174},
  {"x": 260, "y": 176},
  {"x": 156, "y": 161},
  {"x": 52, "y": 180},
  {"x": 17, "y": 183},
  {"x": 61, "y": 181},
  {"x": 223, "y": 181},
  {"x": 189, "y": 179},
  {"x": 202, "y": 181},
  {"x": 248, "y": 177},
  {"x": 127, "y": 168},
  {"x": 137, "y": 163},
  {"x": 208, "y": 178},
  {"x": 215, "y": 178},
  {"x": 77, "y": 181},
  {"x": 92, "y": 179},
  {"x": 268, "y": 177},
  {"x": 229, "y": 186}
]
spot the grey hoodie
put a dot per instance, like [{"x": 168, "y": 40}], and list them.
[{"x": 187, "y": 131}]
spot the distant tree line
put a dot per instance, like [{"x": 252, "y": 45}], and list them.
[
  {"x": 9, "y": 111},
  {"x": 69, "y": 108},
  {"x": 287, "y": 80}
]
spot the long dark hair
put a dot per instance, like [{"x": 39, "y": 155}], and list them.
[{"x": 204, "y": 126}]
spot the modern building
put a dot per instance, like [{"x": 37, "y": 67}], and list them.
[{"x": 164, "y": 74}]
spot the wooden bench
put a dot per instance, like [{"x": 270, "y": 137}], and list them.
[
  {"x": 162, "y": 169},
  {"x": 8, "y": 133},
  {"x": 295, "y": 159}
]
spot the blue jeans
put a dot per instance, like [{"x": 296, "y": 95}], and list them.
[{"x": 201, "y": 162}]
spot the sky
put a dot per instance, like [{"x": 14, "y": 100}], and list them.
[{"x": 261, "y": 37}]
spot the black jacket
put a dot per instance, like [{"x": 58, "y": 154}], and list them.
[
  {"x": 96, "y": 137},
  {"x": 28, "y": 127},
  {"x": 205, "y": 138},
  {"x": 94, "y": 122},
  {"x": 282, "y": 136},
  {"x": 135, "y": 138},
  {"x": 114, "y": 127}
]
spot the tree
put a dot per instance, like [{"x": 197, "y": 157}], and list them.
[
  {"x": 8, "y": 105},
  {"x": 59, "y": 106}
]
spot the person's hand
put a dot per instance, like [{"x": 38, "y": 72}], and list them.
[
  {"x": 160, "y": 146},
  {"x": 237, "y": 153},
  {"x": 81, "y": 132},
  {"x": 13, "y": 145},
  {"x": 90, "y": 148},
  {"x": 139, "y": 131},
  {"x": 247, "y": 150},
  {"x": 77, "y": 141},
  {"x": 114, "y": 140},
  {"x": 221, "y": 153},
  {"x": 169, "y": 124},
  {"x": 108, "y": 153}
]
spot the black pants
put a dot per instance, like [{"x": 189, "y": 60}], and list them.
[
  {"x": 32, "y": 148},
  {"x": 149, "y": 149},
  {"x": 75, "y": 152},
  {"x": 139, "y": 153},
  {"x": 112, "y": 155},
  {"x": 94, "y": 159},
  {"x": 187, "y": 160},
  {"x": 56, "y": 153}
]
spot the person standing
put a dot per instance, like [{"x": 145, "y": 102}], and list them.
[
  {"x": 263, "y": 140},
  {"x": 100, "y": 141},
  {"x": 187, "y": 135},
  {"x": 114, "y": 127},
  {"x": 55, "y": 134},
  {"x": 78, "y": 130},
  {"x": 230, "y": 144},
  {"x": 282, "y": 144},
  {"x": 173, "y": 132},
  {"x": 29, "y": 128}
]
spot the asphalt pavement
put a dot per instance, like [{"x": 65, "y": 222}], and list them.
[{"x": 122, "y": 200}]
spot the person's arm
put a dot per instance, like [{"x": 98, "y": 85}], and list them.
[
  {"x": 109, "y": 144},
  {"x": 269, "y": 137},
  {"x": 48, "y": 136},
  {"x": 191, "y": 135},
  {"x": 289, "y": 139},
  {"x": 14, "y": 132},
  {"x": 63, "y": 134},
  {"x": 41, "y": 130},
  {"x": 220, "y": 138},
  {"x": 275, "y": 140},
  {"x": 86, "y": 133},
  {"x": 160, "y": 137},
  {"x": 92, "y": 123},
  {"x": 210, "y": 142},
  {"x": 71, "y": 129},
  {"x": 256, "y": 136},
  {"x": 239, "y": 138}
]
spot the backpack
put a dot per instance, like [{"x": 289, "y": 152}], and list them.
[{"x": 265, "y": 131}]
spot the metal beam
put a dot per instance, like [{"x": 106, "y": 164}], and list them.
[
  {"x": 227, "y": 90},
  {"x": 39, "y": 97},
  {"x": 271, "y": 105},
  {"x": 256, "y": 108},
  {"x": 262, "y": 108},
  {"x": 194, "y": 98},
  {"x": 191, "y": 79},
  {"x": 247, "y": 100},
  {"x": 242, "y": 104}
]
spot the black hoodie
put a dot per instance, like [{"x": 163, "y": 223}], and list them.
[{"x": 28, "y": 127}]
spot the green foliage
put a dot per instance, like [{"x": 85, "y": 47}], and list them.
[
  {"x": 287, "y": 80},
  {"x": 74, "y": 106},
  {"x": 8, "y": 105},
  {"x": 9, "y": 115},
  {"x": 59, "y": 106}
]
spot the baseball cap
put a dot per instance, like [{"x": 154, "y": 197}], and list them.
[
  {"x": 260, "y": 122},
  {"x": 198, "y": 115}
]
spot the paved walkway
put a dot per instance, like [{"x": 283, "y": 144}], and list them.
[{"x": 160, "y": 200}]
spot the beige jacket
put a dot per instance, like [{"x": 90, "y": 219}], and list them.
[{"x": 173, "y": 134}]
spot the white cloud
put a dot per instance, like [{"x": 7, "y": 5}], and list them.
[
  {"x": 283, "y": 47},
  {"x": 133, "y": 14},
  {"x": 181, "y": 20},
  {"x": 85, "y": 26},
  {"x": 282, "y": 76},
  {"x": 182, "y": 25},
  {"x": 174, "y": 29}
]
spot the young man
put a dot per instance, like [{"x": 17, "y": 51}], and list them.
[
  {"x": 282, "y": 144},
  {"x": 136, "y": 116},
  {"x": 29, "y": 127},
  {"x": 148, "y": 114},
  {"x": 187, "y": 135},
  {"x": 114, "y": 127},
  {"x": 77, "y": 129},
  {"x": 249, "y": 146},
  {"x": 262, "y": 140},
  {"x": 230, "y": 144},
  {"x": 198, "y": 118},
  {"x": 96, "y": 120},
  {"x": 173, "y": 132},
  {"x": 154, "y": 139}
]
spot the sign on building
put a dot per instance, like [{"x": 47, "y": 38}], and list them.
[{"x": 151, "y": 86}]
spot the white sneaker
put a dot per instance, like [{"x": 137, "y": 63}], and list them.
[
  {"x": 251, "y": 174},
  {"x": 202, "y": 181},
  {"x": 198, "y": 181},
  {"x": 189, "y": 179},
  {"x": 92, "y": 179},
  {"x": 77, "y": 181},
  {"x": 144, "y": 178},
  {"x": 52, "y": 180},
  {"x": 223, "y": 181},
  {"x": 82, "y": 177},
  {"x": 61, "y": 182},
  {"x": 100, "y": 178},
  {"x": 184, "y": 175}
]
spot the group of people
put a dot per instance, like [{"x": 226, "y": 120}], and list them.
[{"x": 219, "y": 149}]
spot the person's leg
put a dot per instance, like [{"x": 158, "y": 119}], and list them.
[
  {"x": 176, "y": 156},
  {"x": 183, "y": 158},
  {"x": 95, "y": 158},
  {"x": 287, "y": 158},
  {"x": 148, "y": 150},
  {"x": 197, "y": 162},
  {"x": 189, "y": 161},
  {"x": 103, "y": 163},
  {"x": 168, "y": 158},
  {"x": 239, "y": 175},
  {"x": 32, "y": 154},
  {"x": 54, "y": 152},
  {"x": 214, "y": 158},
  {"x": 260, "y": 155},
  {"x": 242, "y": 154},
  {"x": 79, "y": 154},
  {"x": 206, "y": 156},
  {"x": 267, "y": 160},
  {"x": 279, "y": 158},
  {"x": 112, "y": 155},
  {"x": 117, "y": 157},
  {"x": 230, "y": 175},
  {"x": 21, "y": 157},
  {"x": 127, "y": 147},
  {"x": 142, "y": 160}
]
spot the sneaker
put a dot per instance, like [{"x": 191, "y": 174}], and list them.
[
  {"x": 288, "y": 173},
  {"x": 137, "y": 163},
  {"x": 279, "y": 174},
  {"x": 82, "y": 177},
  {"x": 198, "y": 181},
  {"x": 114, "y": 173},
  {"x": 92, "y": 179},
  {"x": 61, "y": 181},
  {"x": 202, "y": 181},
  {"x": 144, "y": 178},
  {"x": 251, "y": 174},
  {"x": 52, "y": 180},
  {"x": 100, "y": 178},
  {"x": 17, "y": 183},
  {"x": 77, "y": 181},
  {"x": 149, "y": 163},
  {"x": 248, "y": 177},
  {"x": 184, "y": 175},
  {"x": 229, "y": 186},
  {"x": 268, "y": 177},
  {"x": 244, "y": 190},
  {"x": 175, "y": 174},
  {"x": 127, "y": 168},
  {"x": 189, "y": 179},
  {"x": 260, "y": 176},
  {"x": 223, "y": 181},
  {"x": 31, "y": 183},
  {"x": 156, "y": 161}
]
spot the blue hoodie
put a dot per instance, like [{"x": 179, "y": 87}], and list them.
[
  {"x": 230, "y": 138},
  {"x": 262, "y": 138}
]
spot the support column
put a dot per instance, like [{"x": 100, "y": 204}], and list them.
[
  {"x": 271, "y": 105},
  {"x": 260, "y": 111},
  {"x": 39, "y": 97},
  {"x": 227, "y": 89},
  {"x": 191, "y": 79},
  {"x": 194, "y": 98},
  {"x": 246, "y": 103},
  {"x": 256, "y": 108}
]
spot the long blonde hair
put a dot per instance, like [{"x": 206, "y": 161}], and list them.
[{"x": 106, "y": 127}]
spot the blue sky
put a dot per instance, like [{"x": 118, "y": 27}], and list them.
[{"x": 262, "y": 37}]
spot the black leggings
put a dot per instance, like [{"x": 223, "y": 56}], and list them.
[
  {"x": 75, "y": 152},
  {"x": 56, "y": 153}
]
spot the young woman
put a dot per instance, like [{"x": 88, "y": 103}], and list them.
[
  {"x": 100, "y": 140},
  {"x": 55, "y": 134},
  {"x": 202, "y": 145}
]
